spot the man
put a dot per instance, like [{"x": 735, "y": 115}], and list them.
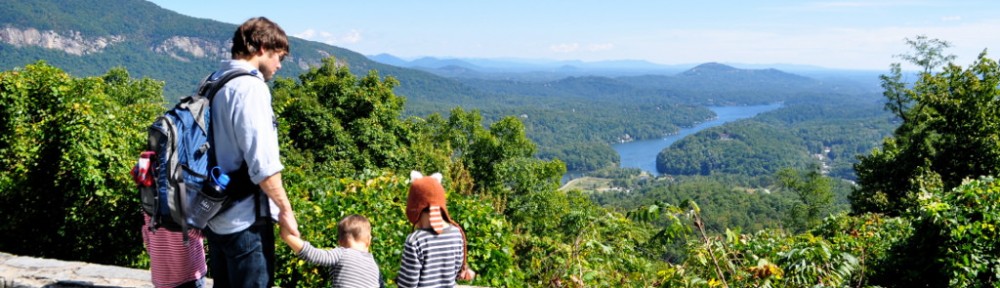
[{"x": 241, "y": 238}]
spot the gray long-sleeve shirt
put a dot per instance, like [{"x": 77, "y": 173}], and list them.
[{"x": 348, "y": 267}]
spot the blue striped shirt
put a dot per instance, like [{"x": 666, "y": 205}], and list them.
[{"x": 431, "y": 260}]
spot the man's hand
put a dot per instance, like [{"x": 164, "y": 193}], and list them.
[
  {"x": 288, "y": 224},
  {"x": 293, "y": 241}
]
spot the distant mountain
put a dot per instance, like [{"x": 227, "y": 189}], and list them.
[
  {"x": 719, "y": 84},
  {"x": 709, "y": 84},
  {"x": 529, "y": 69},
  {"x": 88, "y": 37},
  {"x": 389, "y": 60}
]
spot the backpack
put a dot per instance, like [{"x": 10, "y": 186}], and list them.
[{"x": 174, "y": 171}]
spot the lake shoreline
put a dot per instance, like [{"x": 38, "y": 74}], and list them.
[{"x": 642, "y": 153}]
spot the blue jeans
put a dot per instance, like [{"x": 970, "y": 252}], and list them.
[{"x": 242, "y": 259}]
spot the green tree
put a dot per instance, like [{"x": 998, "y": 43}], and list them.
[
  {"x": 341, "y": 124},
  {"x": 949, "y": 131},
  {"x": 815, "y": 195},
  {"x": 66, "y": 146}
]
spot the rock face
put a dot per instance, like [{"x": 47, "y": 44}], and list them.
[
  {"x": 71, "y": 42},
  {"x": 181, "y": 48}
]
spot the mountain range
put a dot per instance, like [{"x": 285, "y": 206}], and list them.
[{"x": 87, "y": 38}]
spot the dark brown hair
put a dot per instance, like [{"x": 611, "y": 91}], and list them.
[{"x": 258, "y": 34}]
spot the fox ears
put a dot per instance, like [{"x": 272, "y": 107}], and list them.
[{"x": 414, "y": 175}]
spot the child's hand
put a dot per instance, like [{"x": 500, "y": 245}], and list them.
[
  {"x": 293, "y": 241},
  {"x": 466, "y": 274}
]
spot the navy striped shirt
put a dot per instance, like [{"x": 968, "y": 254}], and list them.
[
  {"x": 348, "y": 267},
  {"x": 431, "y": 260}
]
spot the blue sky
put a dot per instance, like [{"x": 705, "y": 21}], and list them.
[{"x": 831, "y": 34}]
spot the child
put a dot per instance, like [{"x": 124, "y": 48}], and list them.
[
  {"x": 434, "y": 254},
  {"x": 171, "y": 263},
  {"x": 350, "y": 264}
]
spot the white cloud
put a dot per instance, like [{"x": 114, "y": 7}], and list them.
[
  {"x": 565, "y": 47},
  {"x": 308, "y": 34},
  {"x": 351, "y": 37},
  {"x": 951, "y": 18}
]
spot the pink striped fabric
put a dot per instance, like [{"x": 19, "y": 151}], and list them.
[{"x": 171, "y": 263}]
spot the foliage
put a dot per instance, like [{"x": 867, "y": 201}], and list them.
[
  {"x": 341, "y": 124},
  {"x": 322, "y": 201},
  {"x": 949, "y": 131},
  {"x": 732, "y": 202},
  {"x": 878, "y": 242},
  {"x": 768, "y": 258},
  {"x": 57, "y": 159},
  {"x": 67, "y": 145},
  {"x": 576, "y": 243},
  {"x": 960, "y": 227},
  {"x": 815, "y": 196}
]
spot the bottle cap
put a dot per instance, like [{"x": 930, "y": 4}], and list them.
[{"x": 223, "y": 180}]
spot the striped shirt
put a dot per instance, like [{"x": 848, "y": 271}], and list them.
[
  {"x": 431, "y": 260},
  {"x": 171, "y": 263},
  {"x": 348, "y": 267}
]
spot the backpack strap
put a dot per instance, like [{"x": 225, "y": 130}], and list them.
[
  {"x": 207, "y": 89},
  {"x": 213, "y": 86},
  {"x": 212, "y": 89},
  {"x": 240, "y": 186}
]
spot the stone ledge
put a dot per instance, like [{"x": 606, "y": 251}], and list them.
[
  {"x": 21, "y": 271},
  {"x": 30, "y": 272}
]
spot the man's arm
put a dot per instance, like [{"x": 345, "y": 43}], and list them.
[{"x": 286, "y": 217}]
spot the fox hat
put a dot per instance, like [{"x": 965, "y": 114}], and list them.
[{"x": 426, "y": 192}]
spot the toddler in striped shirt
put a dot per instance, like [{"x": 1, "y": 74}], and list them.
[{"x": 350, "y": 264}]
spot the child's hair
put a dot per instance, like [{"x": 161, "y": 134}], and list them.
[
  {"x": 258, "y": 34},
  {"x": 354, "y": 227}
]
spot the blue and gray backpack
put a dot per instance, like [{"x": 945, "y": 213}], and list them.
[{"x": 176, "y": 166}]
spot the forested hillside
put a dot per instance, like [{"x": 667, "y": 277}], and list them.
[{"x": 829, "y": 133}]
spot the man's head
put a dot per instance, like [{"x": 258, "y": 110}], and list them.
[
  {"x": 263, "y": 42},
  {"x": 354, "y": 228}
]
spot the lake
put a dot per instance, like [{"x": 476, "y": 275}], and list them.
[{"x": 642, "y": 154}]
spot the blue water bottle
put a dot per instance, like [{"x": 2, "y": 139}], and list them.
[
  {"x": 219, "y": 181},
  {"x": 207, "y": 202}
]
